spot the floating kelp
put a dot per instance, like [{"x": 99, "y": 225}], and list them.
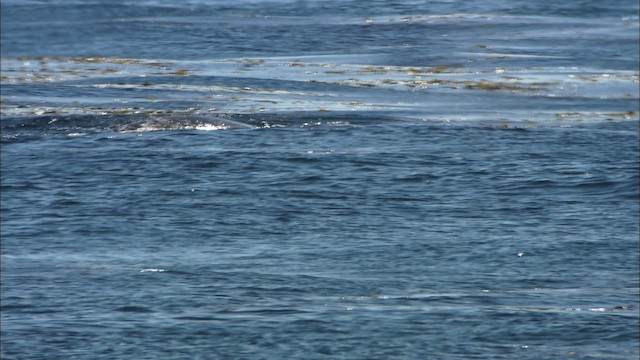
[
  {"x": 486, "y": 85},
  {"x": 122, "y": 86}
]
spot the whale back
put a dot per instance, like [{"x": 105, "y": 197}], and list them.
[{"x": 174, "y": 123}]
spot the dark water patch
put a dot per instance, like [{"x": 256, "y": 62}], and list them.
[
  {"x": 270, "y": 312},
  {"x": 199, "y": 318},
  {"x": 29, "y": 309},
  {"x": 17, "y": 307},
  {"x": 134, "y": 309}
]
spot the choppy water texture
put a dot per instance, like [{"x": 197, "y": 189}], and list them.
[{"x": 319, "y": 180}]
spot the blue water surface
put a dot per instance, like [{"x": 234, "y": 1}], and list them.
[{"x": 319, "y": 180}]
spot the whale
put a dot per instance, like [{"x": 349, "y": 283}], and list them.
[{"x": 185, "y": 122}]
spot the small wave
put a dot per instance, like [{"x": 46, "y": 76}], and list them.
[
  {"x": 197, "y": 318},
  {"x": 597, "y": 309},
  {"x": 152, "y": 270}
]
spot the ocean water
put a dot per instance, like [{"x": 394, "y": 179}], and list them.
[{"x": 319, "y": 179}]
